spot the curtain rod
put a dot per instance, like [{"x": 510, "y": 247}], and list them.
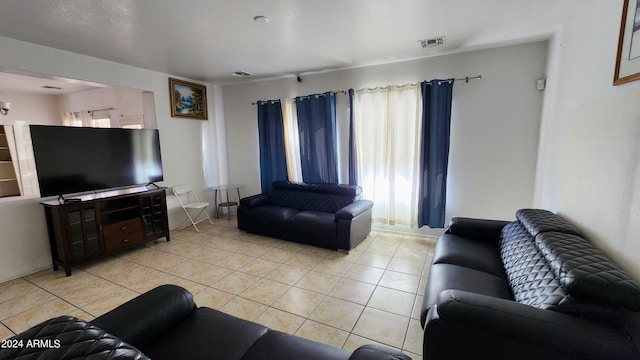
[
  {"x": 105, "y": 109},
  {"x": 380, "y": 88}
]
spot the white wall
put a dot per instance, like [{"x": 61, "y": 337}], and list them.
[
  {"x": 125, "y": 103},
  {"x": 23, "y": 237},
  {"x": 495, "y": 122},
  {"x": 590, "y": 148},
  {"x": 31, "y": 108}
]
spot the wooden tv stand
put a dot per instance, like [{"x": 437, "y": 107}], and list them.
[{"x": 96, "y": 225}]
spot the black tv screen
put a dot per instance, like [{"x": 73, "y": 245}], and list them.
[{"x": 80, "y": 159}]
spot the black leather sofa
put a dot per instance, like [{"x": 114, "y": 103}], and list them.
[
  {"x": 326, "y": 215},
  {"x": 164, "y": 323},
  {"x": 533, "y": 288}
]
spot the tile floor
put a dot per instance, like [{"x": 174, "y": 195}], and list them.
[{"x": 370, "y": 295}]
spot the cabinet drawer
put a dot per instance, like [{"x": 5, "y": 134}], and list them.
[
  {"x": 123, "y": 227},
  {"x": 116, "y": 242}
]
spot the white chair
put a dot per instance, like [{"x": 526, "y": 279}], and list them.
[{"x": 192, "y": 206}]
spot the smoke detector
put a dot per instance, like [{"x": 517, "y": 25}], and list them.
[{"x": 434, "y": 42}]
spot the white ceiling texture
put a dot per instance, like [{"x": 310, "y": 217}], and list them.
[{"x": 208, "y": 40}]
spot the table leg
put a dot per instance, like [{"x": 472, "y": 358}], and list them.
[
  {"x": 215, "y": 200},
  {"x": 228, "y": 211}
]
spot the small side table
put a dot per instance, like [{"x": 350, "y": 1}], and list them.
[{"x": 227, "y": 203}]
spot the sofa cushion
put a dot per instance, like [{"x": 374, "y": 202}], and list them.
[
  {"x": 210, "y": 334},
  {"x": 531, "y": 279},
  {"x": 471, "y": 253},
  {"x": 353, "y": 191},
  {"x": 314, "y": 222},
  {"x": 587, "y": 273},
  {"x": 537, "y": 221},
  {"x": 281, "y": 346},
  {"x": 455, "y": 277},
  {"x": 66, "y": 337},
  {"x": 317, "y": 197},
  {"x": 271, "y": 214},
  {"x": 138, "y": 323}
]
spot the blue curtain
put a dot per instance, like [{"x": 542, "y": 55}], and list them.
[
  {"x": 434, "y": 151},
  {"x": 273, "y": 159},
  {"x": 317, "y": 129},
  {"x": 353, "y": 170}
]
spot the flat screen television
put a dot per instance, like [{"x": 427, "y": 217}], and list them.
[{"x": 72, "y": 160}]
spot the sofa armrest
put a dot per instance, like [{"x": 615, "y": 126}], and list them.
[
  {"x": 481, "y": 229},
  {"x": 255, "y": 200},
  {"x": 143, "y": 319},
  {"x": 489, "y": 327},
  {"x": 354, "y": 209},
  {"x": 377, "y": 352}
]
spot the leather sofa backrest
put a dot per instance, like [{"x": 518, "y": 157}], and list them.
[
  {"x": 538, "y": 221},
  {"x": 550, "y": 265},
  {"x": 530, "y": 277},
  {"x": 318, "y": 197},
  {"x": 587, "y": 273}
]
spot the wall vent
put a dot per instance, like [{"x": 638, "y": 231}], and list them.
[
  {"x": 434, "y": 42},
  {"x": 241, "y": 73}
]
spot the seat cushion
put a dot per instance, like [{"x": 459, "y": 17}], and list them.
[
  {"x": 277, "y": 345},
  {"x": 270, "y": 214},
  {"x": 207, "y": 334},
  {"x": 319, "y": 223},
  {"x": 455, "y": 277},
  {"x": 470, "y": 253}
]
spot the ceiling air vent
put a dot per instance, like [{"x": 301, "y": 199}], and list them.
[
  {"x": 241, "y": 74},
  {"x": 431, "y": 43}
]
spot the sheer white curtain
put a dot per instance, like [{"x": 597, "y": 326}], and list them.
[
  {"x": 387, "y": 129},
  {"x": 85, "y": 119},
  {"x": 292, "y": 139}
]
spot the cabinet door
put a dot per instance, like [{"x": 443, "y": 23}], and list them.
[
  {"x": 83, "y": 232},
  {"x": 154, "y": 215}
]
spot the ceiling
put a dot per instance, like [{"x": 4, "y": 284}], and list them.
[
  {"x": 208, "y": 40},
  {"x": 41, "y": 84}
]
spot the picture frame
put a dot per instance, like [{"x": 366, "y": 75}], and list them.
[
  {"x": 188, "y": 100},
  {"x": 628, "y": 57}
]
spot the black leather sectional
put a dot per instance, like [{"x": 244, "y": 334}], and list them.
[
  {"x": 327, "y": 215},
  {"x": 533, "y": 288},
  {"x": 165, "y": 323}
]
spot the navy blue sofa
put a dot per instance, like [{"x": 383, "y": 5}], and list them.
[{"x": 327, "y": 215}]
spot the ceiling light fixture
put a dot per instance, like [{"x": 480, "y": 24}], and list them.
[{"x": 261, "y": 19}]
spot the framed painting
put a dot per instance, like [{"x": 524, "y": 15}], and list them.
[
  {"x": 628, "y": 59},
  {"x": 188, "y": 100}
]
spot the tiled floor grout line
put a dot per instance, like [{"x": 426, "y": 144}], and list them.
[
  {"x": 325, "y": 296},
  {"x": 43, "y": 289},
  {"x": 229, "y": 235}
]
